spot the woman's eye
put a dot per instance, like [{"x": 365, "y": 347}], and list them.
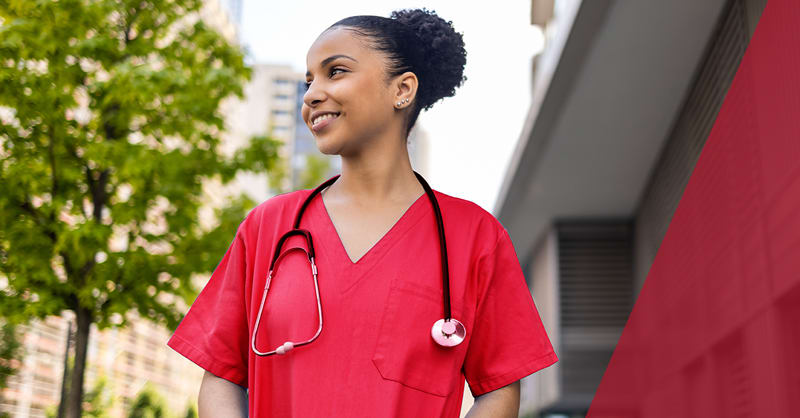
[{"x": 333, "y": 71}]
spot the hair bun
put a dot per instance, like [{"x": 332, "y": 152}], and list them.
[{"x": 444, "y": 54}]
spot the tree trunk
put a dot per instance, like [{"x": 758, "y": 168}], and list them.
[
  {"x": 62, "y": 404},
  {"x": 75, "y": 400}
]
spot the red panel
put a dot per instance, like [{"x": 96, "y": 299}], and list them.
[{"x": 716, "y": 329}]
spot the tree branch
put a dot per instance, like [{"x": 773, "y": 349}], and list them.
[
  {"x": 129, "y": 25},
  {"x": 51, "y": 153},
  {"x": 37, "y": 217},
  {"x": 67, "y": 263},
  {"x": 74, "y": 154},
  {"x": 99, "y": 197}
]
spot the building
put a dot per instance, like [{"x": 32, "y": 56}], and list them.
[
  {"x": 37, "y": 382},
  {"x": 267, "y": 108},
  {"x": 234, "y": 11},
  {"x": 624, "y": 97},
  {"x": 126, "y": 358}
]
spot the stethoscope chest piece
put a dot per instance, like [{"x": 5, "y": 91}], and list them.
[{"x": 448, "y": 333}]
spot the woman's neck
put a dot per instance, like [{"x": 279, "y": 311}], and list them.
[{"x": 377, "y": 177}]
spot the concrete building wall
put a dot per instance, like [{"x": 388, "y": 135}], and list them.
[
  {"x": 37, "y": 383},
  {"x": 127, "y": 358},
  {"x": 543, "y": 388},
  {"x": 267, "y": 108}
]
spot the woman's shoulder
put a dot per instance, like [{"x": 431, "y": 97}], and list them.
[
  {"x": 469, "y": 217},
  {"x": 280, "y": 202},
  {"x": 275, "y": 211}
]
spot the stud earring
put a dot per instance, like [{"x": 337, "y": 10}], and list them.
[{"x": 400, "y": 103}]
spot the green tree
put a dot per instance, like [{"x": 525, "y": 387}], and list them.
[
  {"x": 317, "y": 167},
  {"x": 10, "y": 353},
  {"x": 97, "y": 403},
  {"x": 109, "y": 129},
  {"x": 191, "y": 411},
  {"x": 148, "y": 404}
]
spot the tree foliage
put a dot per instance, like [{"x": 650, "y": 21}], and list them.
[
  {"x": 109, "y": 129},
  {"x": 97, "y": 402},
  {"x": 191, "y": 411},
  {"x": 148, "y": 404},
  {"x": 315, "y": 171},
  {"x": 10, "y": 353}
]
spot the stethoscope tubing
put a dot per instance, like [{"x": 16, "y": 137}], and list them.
[
  {"x": 442, "y": 246},
  {"x": 296, "y": 230},
  {"x": 284, "y": 347},
  {"x": 439, "y": 224}
]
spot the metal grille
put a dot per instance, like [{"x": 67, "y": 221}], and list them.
[{"x": 595, "y": 273}]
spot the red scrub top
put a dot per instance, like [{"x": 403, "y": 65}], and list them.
[{"x": 375, "y": 356}]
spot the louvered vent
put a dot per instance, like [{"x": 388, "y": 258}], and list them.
[
  {"x": 595, "y": 270},
  {"x": 595, "y": 291}
]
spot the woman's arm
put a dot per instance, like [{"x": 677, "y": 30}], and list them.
[
  {"x": 500, "y": 403},
  {"x": 221, "y": 398}
]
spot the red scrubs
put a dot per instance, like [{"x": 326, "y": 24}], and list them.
[{"x": 375, "y": 356}]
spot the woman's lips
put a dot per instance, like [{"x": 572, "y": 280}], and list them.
[{"x": 322, "y": 125}]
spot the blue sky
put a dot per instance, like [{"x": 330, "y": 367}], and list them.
[{"x": 471, "y": 134}]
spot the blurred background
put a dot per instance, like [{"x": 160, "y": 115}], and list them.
[{"x": 578, "y": 127}]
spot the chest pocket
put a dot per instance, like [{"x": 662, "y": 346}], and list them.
[{"x": 405, "y": 351}]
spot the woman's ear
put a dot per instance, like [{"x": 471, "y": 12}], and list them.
[{"x": 406, "y": 90}]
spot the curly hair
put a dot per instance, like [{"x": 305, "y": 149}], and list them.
[{"x": 419, "y": 41}]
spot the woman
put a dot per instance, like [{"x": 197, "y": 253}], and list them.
[{"x": 378, "y": 257}]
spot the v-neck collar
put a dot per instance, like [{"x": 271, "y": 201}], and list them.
[
  {"x": 381, "y": 241},
  {"x": 348, "y": 270}
]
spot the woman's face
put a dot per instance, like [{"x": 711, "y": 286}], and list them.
[{"x": 346, "y": 82}]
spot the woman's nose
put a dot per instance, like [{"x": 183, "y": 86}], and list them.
[{"x": 313, "y": 96}]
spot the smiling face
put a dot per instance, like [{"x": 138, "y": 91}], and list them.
[{"x": 347, "y": 87}]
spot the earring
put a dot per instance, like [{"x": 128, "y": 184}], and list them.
[{"x": 400, "y": 103}]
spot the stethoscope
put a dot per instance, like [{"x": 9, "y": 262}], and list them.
[{"x": 447, "y": 332}]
